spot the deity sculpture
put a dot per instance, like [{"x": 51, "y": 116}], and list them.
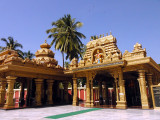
[{"x": 98, "y": 57}]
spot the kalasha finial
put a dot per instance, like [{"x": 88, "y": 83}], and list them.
[
  {"x": 107, "y": 34},
  {"x": 103, "y": 35},
  {"x": 45, "y": 41},
  {"x": 90, "y": 38},
  {"x": 110, "y": 32}
]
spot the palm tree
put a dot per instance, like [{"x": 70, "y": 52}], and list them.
[
  {"x": 12, "y": 44},
  {"x": 66, "y": 37},
  {"x": 66, "y": 64},
  {"x": 0, "y": 49},
  {"x": 28, "y": 55}
]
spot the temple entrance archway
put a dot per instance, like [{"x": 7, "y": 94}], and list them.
[{"x": 106, "y": 89}]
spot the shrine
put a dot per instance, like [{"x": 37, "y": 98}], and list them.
[
  {"x": 104, "y": 68},
  {"x": 41, "y": 76},
  {"x": 130, "y": 74}
]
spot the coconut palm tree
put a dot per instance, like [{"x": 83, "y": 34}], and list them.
[
  {"x": 12, "y": 44},
  {"x": 0, "y": 49},
  {"x": 66, "y": 64},
  {"x": 28, "y": 55},
  {"x": 66, "y": 37}
]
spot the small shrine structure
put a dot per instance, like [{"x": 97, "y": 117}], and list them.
[{"x": 41, "y": 75}]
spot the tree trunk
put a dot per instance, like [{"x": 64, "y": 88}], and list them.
[{"x": 63, "y": 58}]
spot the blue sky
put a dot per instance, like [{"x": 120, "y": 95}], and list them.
[{"x": 130, "y": 21}]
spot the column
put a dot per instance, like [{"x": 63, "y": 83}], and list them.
[
  {"x": 10, "y": 92},
  {"x": 58, "y": 90},
  {"x": 65, "y": 84},
  {"x": 43, "y": 94},
  {"x": 2, "y": 91},
  {"x": 115, "y": 87},
  {"x": 100, "y": 92},
  {"x": 88, "y": 97},
  {"x": 21, "y": 99},
  {"x": 149, "y": 77},
  {"x": 75, "y": 99},
  {"x": 72, "y": 88},
  {"x": 92, "y": 94},
  {"x": 38, "y": 94},
  {"x": 100, "y": 88},
  {"x": 28, "y": 91},
  {"x": 49, "y": 92},
  {"x": 105, "y": 93},
  {"x": 121, "y": 104},
  {"x": 143, "y": 91},
  {"x": 114, "y": 93}
]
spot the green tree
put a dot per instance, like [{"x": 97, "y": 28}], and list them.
[
  {"x": 94, "y": 37},
  {"x": 66, "y": 37},
  {"x": 84, "y": 48},
  {"x": 28, "y": 55},
  {"x": 66, "y": 64},
  {"x": 12, "y": 44},
  {"x": 0, "y": 49}
]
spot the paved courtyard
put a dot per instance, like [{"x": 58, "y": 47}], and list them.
[{"x": 79, "y": 113}]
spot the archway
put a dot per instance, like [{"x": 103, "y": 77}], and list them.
[{"x": 106, "y": 90}]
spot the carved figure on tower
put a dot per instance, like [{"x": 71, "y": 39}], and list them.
[{"x": 98, "y": 57}]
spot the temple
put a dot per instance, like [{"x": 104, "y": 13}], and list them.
[
  {"x": 130, "y": 75},
  {"x": 41, "y": 76}
]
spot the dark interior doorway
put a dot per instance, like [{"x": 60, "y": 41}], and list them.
[
  {"x": 133, "y": 93},
  {"x": 108, "y": 96}
]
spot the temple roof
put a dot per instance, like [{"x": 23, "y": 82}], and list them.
[{"x": 101, "y": 40}]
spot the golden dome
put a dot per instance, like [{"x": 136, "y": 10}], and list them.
[
  {"x": 45, "y": 45},
  {"x": 45, "y": 55}
]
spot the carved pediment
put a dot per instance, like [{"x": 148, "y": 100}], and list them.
[
  {"x": 137, "y": 47},
  {"x": 126, "y": 53}
]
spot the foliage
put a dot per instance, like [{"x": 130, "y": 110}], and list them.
[
  {"x": 94, "y": 37},
  {"x": 83, "y": 50},
  {"x": 66, "y": 64},
  {"x": 12, "y": 44},
  {"x": 28, "y": 55},
  {"x": 61, "y": 85},
  {"x": 66, "y": 38},
  {"x": 69, "y": 85},
  {"x": 16, "y": 85},
  {"x": 82, "y": 81}
]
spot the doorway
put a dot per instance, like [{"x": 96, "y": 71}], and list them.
[{"x": 133, "y": 97}]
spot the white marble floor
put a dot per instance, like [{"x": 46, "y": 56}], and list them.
[{"x": 102, "y": 114}]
